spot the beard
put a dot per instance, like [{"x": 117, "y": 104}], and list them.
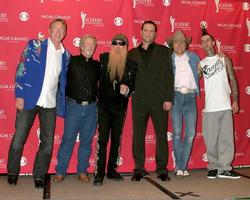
[{"x": 117, "y": 63}]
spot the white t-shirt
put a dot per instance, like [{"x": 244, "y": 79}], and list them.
[{"x": 217, "y": 89}]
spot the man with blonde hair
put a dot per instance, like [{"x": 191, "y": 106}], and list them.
[{"x": 40, "y": 78}]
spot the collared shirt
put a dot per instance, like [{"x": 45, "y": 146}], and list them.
[
  {"x": 53, "y": 68},
  {"x": 146, "y": 53},
  {"x": 184, "y": 77}
]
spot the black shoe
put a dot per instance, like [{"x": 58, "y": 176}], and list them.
[
  {"x": 228, "y": 174},
  {"x": 137, "y": 177},
  {"x": 39, "y": 183},
  {"x": 98, "y": 180},
  {"x": 114, "y": 175},
  {"x": 12, "y": 179},
  {"x": 212, "y": 174},
  {"x": 164, "y": 177}
]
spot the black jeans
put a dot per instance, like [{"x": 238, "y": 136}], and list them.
[
  {"x": 111, "y": 121},
  {"x": 24, "y": 121}
]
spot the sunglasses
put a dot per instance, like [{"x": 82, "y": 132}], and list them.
[{"x": 115, "y": 43}]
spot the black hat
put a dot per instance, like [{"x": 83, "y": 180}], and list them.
[{"x": 120, "y": 37}]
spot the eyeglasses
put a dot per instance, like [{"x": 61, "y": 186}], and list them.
[{"x": 115, "y": 43}]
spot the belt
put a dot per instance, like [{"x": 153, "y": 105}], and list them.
[
  {"x": 183, "y": 90},
  {"x": 83, "y": 103}
]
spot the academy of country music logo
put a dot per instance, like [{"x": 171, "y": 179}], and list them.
[
  {"x": 2, "y": 114},
  {"x": 3, "y": 65},
  {"x": 247, "y": 90},
  {"x": 3, "y": 17},
  {"x": 150, "y": 139},
  {"x": 194, "y": 3},
  {"x": 134, "y": 41},
  {"x": 223, "y": 6},
  {"x": 225, "y": 48},
  {"x": 248, "y": 27},
  {"x": 6, "y": 136},
  {"x": 7, "y": 87},
  {"x": 150, "y": 159},
  {"x": 179, "y": 25},
  {"x": 95, "y": 21},
  {"x": 24, "y": 16}
]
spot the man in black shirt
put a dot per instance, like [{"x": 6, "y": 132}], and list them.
[
  {"x": 116, "y": 84},
  {"x": 153, "y": 97},
  {"x": 81, "y": 111}
]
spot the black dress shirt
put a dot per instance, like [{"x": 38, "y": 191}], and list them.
[{"x": 82, "y": 78}]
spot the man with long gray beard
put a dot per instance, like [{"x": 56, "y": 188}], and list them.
[{"x": 116, "y": 84}]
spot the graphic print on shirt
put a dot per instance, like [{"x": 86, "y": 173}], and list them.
[{"x": 210, "y": 70}]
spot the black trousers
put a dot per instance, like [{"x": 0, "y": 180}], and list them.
[
  {"x": 141, "y": 112},
  {"x": 24, "y": 121},
  {"x": 111, "y": 120}
]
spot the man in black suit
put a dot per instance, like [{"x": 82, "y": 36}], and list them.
[{"x": 153, "y": 97}]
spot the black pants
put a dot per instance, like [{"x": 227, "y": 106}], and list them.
[
  {"x": 24, "y": 121},
  {"x": 111, "y": 121},
  {"x": 141, "y": 113}
]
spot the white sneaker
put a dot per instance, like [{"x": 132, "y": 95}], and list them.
[
  {"x": 179, "y": 173},
  {"x": 185, "y": 173}
]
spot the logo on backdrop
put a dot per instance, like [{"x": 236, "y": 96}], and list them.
[
  {"x": 83, "y": 18},
  {"x": 118, "y": 21},
  {"x": 245, "y": 6},
  {"x": 247, "y": 90},
  {"x": 2, "y": 114},
  {"x": 24, "y": 16},
  {"x": 247, "y": 48},
  {"x": 3, "y": 65},
  {"x": 119, "y": 161},
  {"x": 203, "y": 24},
  {"x": 41, "y": 1},
  {"x": 194, "y": 3},
  {"x": 76, "y": 42},
  {"x": 23, "y": 161},
  {"x": 173, "y": 158},
  {"x": 217, "y": 5},
  {"x": 3, "y": 17},
  {"x": 166, "y": 2},
  {"x": 171, "y": 19},
  {"x": 149, "y": 139},
  {"x": 146, "y": 3},
  {"x": 218, "y": 44},
  {"x": 40, "y": 36},
  {"x": 204, "y": 157},
  {"x": 248, "y": 26},
  {"x": 150, "y": 159},
  {"x": 170, "y": 136},
  {"x": 248, "y": 133},
  {"x": 38, "y": 131},
  {"x": 90, "y": 20},
  {"x": 134, "y": 41},
  {"x": 2, "y": 163},
  {"x": 179, "y": 25}
]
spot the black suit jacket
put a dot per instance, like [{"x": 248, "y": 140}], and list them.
[{"x": 154, "y": 83}]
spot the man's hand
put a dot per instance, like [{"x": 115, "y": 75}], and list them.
[
  {"x": 19, "y": 103},
  {"x": 235, "y": 107},
  {"x": 167, "y": 105},
  {"x": 124, "y": 89}
]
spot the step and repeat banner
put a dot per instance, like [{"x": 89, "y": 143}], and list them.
[{"x": 228, "y": 21}]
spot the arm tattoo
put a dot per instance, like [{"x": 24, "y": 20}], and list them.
[{"x": 232, "y": 79}]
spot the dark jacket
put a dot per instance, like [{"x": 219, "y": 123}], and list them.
[
  {"x": 154, "y": 83},
  {"x": 109, "y": 92}
]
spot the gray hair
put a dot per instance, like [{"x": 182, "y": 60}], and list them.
[{"x": 83, "y": 39}]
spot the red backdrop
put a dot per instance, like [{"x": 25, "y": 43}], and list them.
[{"x": 228, "y": 21}]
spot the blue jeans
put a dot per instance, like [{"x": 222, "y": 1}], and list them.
[
  {"x": 82, "y": 119},
  {"x": 184, "y": 109}
]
